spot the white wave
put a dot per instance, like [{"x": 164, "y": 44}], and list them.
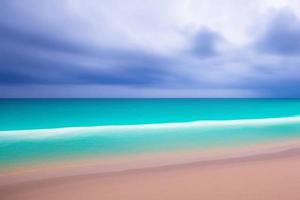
[{"x": 108, "y": 129}]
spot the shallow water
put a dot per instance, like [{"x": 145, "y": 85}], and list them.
[{"x": 35, "y": 130}]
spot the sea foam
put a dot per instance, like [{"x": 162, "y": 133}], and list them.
[{"x": 139, "y": 128}]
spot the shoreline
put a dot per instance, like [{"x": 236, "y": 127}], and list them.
[
  {"x": 104, "y": 167},
  {"x": 256, "y": 177}
]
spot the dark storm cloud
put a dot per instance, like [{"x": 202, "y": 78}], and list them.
[
  {"x": 31, "y": 56},
  {"x": 53, "y": 55},
  {"x": 277, "y": 69},
  {"x": 204, "y": 43},
  {"x": 11, "y": 37},
  {"x": 282, "y": 35},
  {"x": 29, "y": 66}
]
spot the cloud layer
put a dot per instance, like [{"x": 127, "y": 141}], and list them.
[{"x": 149, "y": 48}]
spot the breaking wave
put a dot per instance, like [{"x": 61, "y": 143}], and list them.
[{"x": 141, "y": 128}]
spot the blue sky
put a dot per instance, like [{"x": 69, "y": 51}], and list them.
[{"x": 157, "y": 48}]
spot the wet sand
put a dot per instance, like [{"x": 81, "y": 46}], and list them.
[{"x": 257, "y": 177}]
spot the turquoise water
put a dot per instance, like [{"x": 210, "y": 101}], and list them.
[{"x": 38, "y": 130}]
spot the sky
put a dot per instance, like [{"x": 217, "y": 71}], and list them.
[{"x": 155, "y": 49}]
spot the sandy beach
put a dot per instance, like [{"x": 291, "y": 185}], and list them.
[
  {"x": 149, "y": 100},
  {"x": 259, "y": 176}
]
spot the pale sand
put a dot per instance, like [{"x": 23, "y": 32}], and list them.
[{"x": 258, "y": 177}]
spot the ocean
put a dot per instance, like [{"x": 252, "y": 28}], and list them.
[{"x": 39, "y": 130}]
